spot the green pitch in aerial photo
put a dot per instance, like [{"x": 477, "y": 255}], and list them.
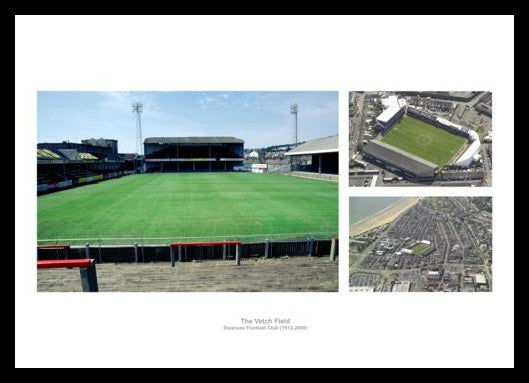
[{"x": 187, "y": 191}]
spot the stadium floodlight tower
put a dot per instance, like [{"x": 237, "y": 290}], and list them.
[
  {"x": 137, "y": 108},
  {"x": 294, "y": 111}
]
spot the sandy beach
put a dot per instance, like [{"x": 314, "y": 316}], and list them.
[{"x": 383, "y": 217}]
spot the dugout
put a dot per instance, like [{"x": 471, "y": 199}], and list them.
[
  {"x": 316, "y": 156},
  {"x": 193, "y": 154}
]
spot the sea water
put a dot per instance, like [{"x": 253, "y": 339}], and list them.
[{"x": 363, "y": 207}]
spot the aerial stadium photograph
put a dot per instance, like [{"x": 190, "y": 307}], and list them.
[
  {"x": 187, "y": 191},
  {"x": 419, "y": 138}
]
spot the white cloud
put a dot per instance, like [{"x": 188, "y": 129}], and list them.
[{"x": 214, "y": 98}]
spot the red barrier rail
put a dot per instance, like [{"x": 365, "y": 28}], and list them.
[
  {"x": 87, "y": 269},
  {"x": 218, "y": 243},
  {"x": 65, "y": 263},
  {"x": 58, "y": 246}
]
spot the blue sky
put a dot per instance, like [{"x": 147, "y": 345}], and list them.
[{"x": 260, "y": 118}]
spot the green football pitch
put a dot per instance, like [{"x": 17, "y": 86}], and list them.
[
  {"x": 424, "y": 140},
  {"x": 159, "y": 208},
  {"x": 419, "y": 248}
]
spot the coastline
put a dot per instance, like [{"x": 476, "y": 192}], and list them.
[{"x": 382, "y": 217}]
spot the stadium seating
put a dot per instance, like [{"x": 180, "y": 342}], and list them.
[
  {"x": 87, "y": 156},
  {"x": 46, "y": 177},
  {"x": 64, "y": 164},
  {"x": 194, "y": 152},
  {"x": 75, "y": 174},
  {"x": 51, "y": 177},
  {"x": 47, "y": 154}
]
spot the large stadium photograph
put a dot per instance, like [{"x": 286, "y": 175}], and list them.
[
  {"x": 207, "y": 191},
  {"x": 420, "y": 138}
]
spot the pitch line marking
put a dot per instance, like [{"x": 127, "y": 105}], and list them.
[{"x": 195, "y": 237}]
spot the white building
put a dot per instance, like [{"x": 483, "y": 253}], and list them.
[
  {"x": 362, "y": 289},
  {"x": 259, "y": 168},
  {"x": 401, "y": 287},
  {"x": 435, "y": 275},
  {"x": 480, "y": 279},
  {"x": 472, "y": 153},
  {"x": 394, "y": 109},
  {"x": 253, "y": 154}
]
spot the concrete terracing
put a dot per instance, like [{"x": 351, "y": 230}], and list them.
[{"x": 283, "y": 274}]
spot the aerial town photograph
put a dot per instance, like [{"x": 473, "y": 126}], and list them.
[
  {"x": 420, "y": 244},
  {"x": 418, "y": 138}
]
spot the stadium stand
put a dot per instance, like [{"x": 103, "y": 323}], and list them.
[
  {"x": 193, "y": 154},
  {"x": 398, "y": 160},
  {"x": 66, "y": 164},
  {"x": 46, "y": 153},
  {"x": 70, "y": 147},
  {"x": 87, "y": 156},
  {"x": 440, "y": 95},
  {"x": 395, "y": 110},
  {"x": 48, "y": 177},
  {"x": 318, "y": 156}
]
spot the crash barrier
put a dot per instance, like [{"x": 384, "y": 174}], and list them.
[
  {"x": 55, "y": 251},
  {"x": 179, "y": 246},
  {"x": 87, "y": 269},
  {"x": 219, "y": 250}
]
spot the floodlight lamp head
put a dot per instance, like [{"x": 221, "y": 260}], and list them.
[
  {"x": 137, "y": 107},
  {"x": 294, "y": 108}
]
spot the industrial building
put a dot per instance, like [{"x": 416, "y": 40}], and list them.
[
  {"x": 193, "y": 154},
  {"x": 316, "y": 156},
  {"x": 102, "y": 142},
  {"x": 399, "y": 161}
]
